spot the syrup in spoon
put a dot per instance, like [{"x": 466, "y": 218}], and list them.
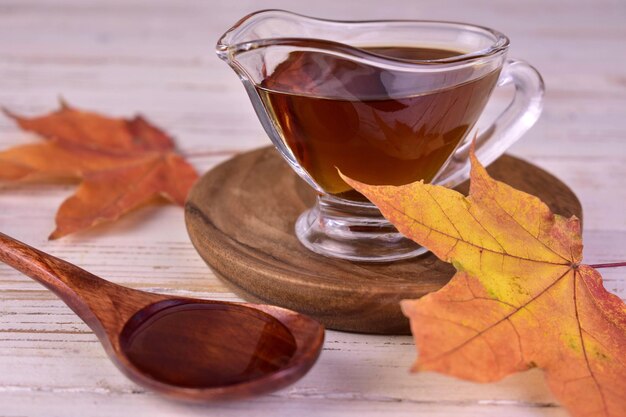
[{"x": 185, "y": 348}]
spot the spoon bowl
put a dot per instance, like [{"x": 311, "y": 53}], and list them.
[{"x": 186, "y": 348}]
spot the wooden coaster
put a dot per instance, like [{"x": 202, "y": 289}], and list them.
[{"x": 240, "y": 217}]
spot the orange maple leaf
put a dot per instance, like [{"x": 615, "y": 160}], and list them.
[
  {"x": 520, "y": 299},
  {"x": 122, "y": 164}
]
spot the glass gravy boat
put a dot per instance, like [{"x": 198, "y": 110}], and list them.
[{"x": 385, "y": 102}]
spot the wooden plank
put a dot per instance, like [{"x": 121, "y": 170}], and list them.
[{"x": 155, "y": 56}]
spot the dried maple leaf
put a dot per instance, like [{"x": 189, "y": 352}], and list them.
[
  {"x": 520, "y": 299},
  {"x": 122, "y": 164}
]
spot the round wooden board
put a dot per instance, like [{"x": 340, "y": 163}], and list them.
[{"x": 240, "y": 217}]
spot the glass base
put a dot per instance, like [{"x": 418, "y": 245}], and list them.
[{"x": 353, "y": 231}]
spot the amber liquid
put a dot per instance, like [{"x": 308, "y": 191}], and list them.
[
  {"x": 367, "y": 131},
  {"x": 199, "y": 345}
]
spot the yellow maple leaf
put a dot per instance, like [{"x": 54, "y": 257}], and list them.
[{"x": 520, "y": 298}]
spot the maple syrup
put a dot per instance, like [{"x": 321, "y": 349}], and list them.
[
  {"x": 200, "y": 345},
  {"x": 335, "y": 113}
]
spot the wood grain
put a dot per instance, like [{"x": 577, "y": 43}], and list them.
[
  {"x": 240, "y": 217},
  {"x": 119, "y": 316},
  {"x": 155, "y": 57}
]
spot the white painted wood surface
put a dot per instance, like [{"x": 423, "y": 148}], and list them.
[{"x": 156, "y": 57}]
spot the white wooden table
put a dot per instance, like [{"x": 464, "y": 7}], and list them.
[{"x": 121, "y": 56}]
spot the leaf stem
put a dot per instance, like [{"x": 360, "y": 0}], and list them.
[{"x": 608, "y": 265}]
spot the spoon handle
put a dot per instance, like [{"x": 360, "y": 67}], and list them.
[
  {"x": 73, "y": 285},
  {"x": 48, "y": 270}
]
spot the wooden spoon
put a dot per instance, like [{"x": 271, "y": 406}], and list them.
[{"x": 185, "y": 348}]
